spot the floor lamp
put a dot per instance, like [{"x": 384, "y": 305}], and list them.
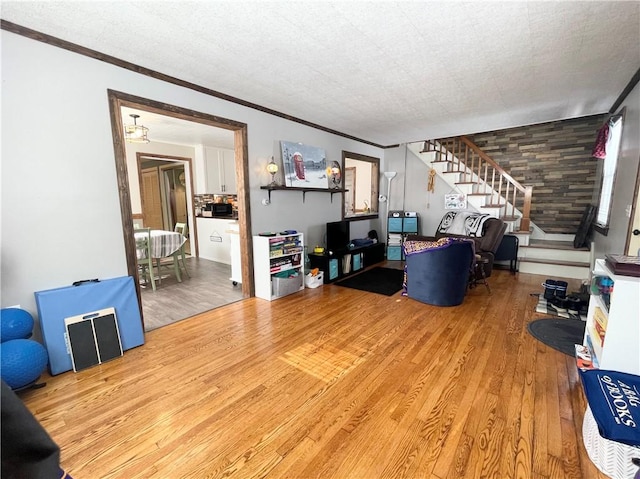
[{"x": 389, "y": 175}]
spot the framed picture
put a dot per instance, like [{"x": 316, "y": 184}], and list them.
[
  {"x": 304, "y": 166},
  {"x": 455, "y": 201}
]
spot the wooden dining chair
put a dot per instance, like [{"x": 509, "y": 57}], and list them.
[
  {"x": 183, "y": 229},
  {"x": 143, "y": 255}
]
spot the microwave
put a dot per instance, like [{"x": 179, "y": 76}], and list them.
[{"x": 219, "y": 209}]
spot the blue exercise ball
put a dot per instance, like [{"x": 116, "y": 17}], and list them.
[
  {"x": 15, "y": 323},
  {"x": 22, "y": 361}
]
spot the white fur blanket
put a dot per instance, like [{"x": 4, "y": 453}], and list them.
[{"x": 464, "y": 223}]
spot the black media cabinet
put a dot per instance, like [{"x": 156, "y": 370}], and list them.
[{"x": 343, "y": 264}]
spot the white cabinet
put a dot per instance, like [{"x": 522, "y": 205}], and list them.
[
  {"x": 220, "y": 170},
  {"x": 236, "y": 257},
  {"x": 214, "y": 239},
  {"x": 278, "y": 263},
  {"x": 612, "y": 331}
]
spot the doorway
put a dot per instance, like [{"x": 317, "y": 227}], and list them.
[
  {"x": 165, "y": 195},
  {"x": 118, "y": 100}
]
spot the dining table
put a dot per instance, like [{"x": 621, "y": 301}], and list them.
[{"x": 164, "y": 244}]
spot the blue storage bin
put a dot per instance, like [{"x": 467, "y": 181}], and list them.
[
  {"x": 394, "y": 253},
  {"x": 356, "y": 261},
  {"x": 395, "y": 225},
  {"x": 410, "y": 225},
  {"x": 333, "y": 269}
]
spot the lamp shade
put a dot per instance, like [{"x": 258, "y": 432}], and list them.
[
  {"x": 272, "y": 168},
  {"x": 136, "y": 133}
]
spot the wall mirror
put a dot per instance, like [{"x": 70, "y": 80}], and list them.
[{"x": 361, "y": 180}]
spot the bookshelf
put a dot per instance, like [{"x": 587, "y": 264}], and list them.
[
  {"x": 278, "y": 263},
  {"x": 612, "y": 330}
]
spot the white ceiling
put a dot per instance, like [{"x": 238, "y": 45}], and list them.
[{"x": 386, "y": 72}]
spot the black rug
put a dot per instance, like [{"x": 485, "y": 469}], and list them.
[
  {"x": 559, "y": 334},
  {"x": 387, "y": 281}
]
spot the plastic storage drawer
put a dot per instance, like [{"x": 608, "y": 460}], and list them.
[
  {"x": 394, "y": 253},
  {"x": 410, "y": 225},
  {"x": 395, "y": 225}
]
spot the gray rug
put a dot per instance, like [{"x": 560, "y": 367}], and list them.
[{"x": 559, "y": 334}]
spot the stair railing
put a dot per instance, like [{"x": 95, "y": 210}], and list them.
[{"x": 477, "y": 168}]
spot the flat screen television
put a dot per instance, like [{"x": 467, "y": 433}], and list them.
[{"x": 338, "y": 236}]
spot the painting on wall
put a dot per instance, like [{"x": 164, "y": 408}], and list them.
[
  {"x": 304, "y": 166},
  {"x": 455, "y": 201}
]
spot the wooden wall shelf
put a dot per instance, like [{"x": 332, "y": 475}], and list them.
[{"x": 303, "y": 190}]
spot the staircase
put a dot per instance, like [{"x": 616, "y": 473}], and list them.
[{"x": 491, "y": 190}]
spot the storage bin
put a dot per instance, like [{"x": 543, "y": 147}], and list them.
[
  {"x": 394, "y": 253},
  {"x": 333, "y": 269},
  {"x": 314, "y": 281},
  {"x": 410, "y": 225},
  {"x": 284, "y": 286},
  {"x": 395, "y": 225}
]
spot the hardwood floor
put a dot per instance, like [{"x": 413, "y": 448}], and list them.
[
  {"x": 330, "y": 383},
  {"x": 208, "y": 286}
]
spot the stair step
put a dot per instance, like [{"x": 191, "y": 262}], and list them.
[
  {"x": 554, "y": 270},
  {"x": 579, "y": 264},
  {"x": 510, "y": 218},
  {"x": 566, "y": 245},
  {"x": 496, "y": 205},
  {"x": 479, "y": 194}
]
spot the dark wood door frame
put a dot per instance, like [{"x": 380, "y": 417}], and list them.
[{"x": 117, "y": 100}]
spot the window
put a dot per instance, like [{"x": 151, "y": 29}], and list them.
[{"x": 609, "y": 174}]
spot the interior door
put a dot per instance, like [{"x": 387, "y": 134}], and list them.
[
  {"x": 633, "y": 241},
  {"x": 151, "y": 199},
  {"x": 350, "y": 186}
]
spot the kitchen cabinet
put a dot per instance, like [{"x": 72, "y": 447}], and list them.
[
  {"x": 214, "y": 239},
  {"x": 220, "y": 170}
]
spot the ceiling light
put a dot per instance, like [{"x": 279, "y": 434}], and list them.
[{"x": 136, "y": 133}]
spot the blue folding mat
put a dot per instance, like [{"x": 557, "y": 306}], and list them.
[{"x": 54, "y": 305}]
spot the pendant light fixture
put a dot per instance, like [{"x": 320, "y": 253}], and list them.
[{"x": 136, "y": 133}]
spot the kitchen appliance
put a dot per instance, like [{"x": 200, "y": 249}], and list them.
[{"x": 219, "y": 209}]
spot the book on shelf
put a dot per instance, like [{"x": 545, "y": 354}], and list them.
[
  {"x": 346, "y": 263},
  {"x": 583, "y": 357},
  {"x": 590, "y": 350},
  {"x": 600, "y": 318}
]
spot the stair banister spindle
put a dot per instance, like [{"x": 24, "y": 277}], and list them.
[
  {"x": 485, "y": 176},
  {"x": 493, "y": 184},
  {"x": 453, "y": 150}
]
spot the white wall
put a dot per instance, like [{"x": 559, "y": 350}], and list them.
[
  {"x": 409, "y": 189},
  {"x": 625, "y": 180},
  {"x": 60, "y": 205}
]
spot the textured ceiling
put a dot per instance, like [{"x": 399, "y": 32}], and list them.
[{"x": 386, "y": 72}]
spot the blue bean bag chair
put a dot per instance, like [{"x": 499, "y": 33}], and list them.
[{"x": 437, "y": 272}]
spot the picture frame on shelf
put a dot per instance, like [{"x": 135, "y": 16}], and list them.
[{"x": 304, "y": 166}]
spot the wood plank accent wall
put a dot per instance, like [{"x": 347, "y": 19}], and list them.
[{"x": 556, "y": 159}]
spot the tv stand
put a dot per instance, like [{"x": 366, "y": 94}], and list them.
[{"x": 345, "y": 263}]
